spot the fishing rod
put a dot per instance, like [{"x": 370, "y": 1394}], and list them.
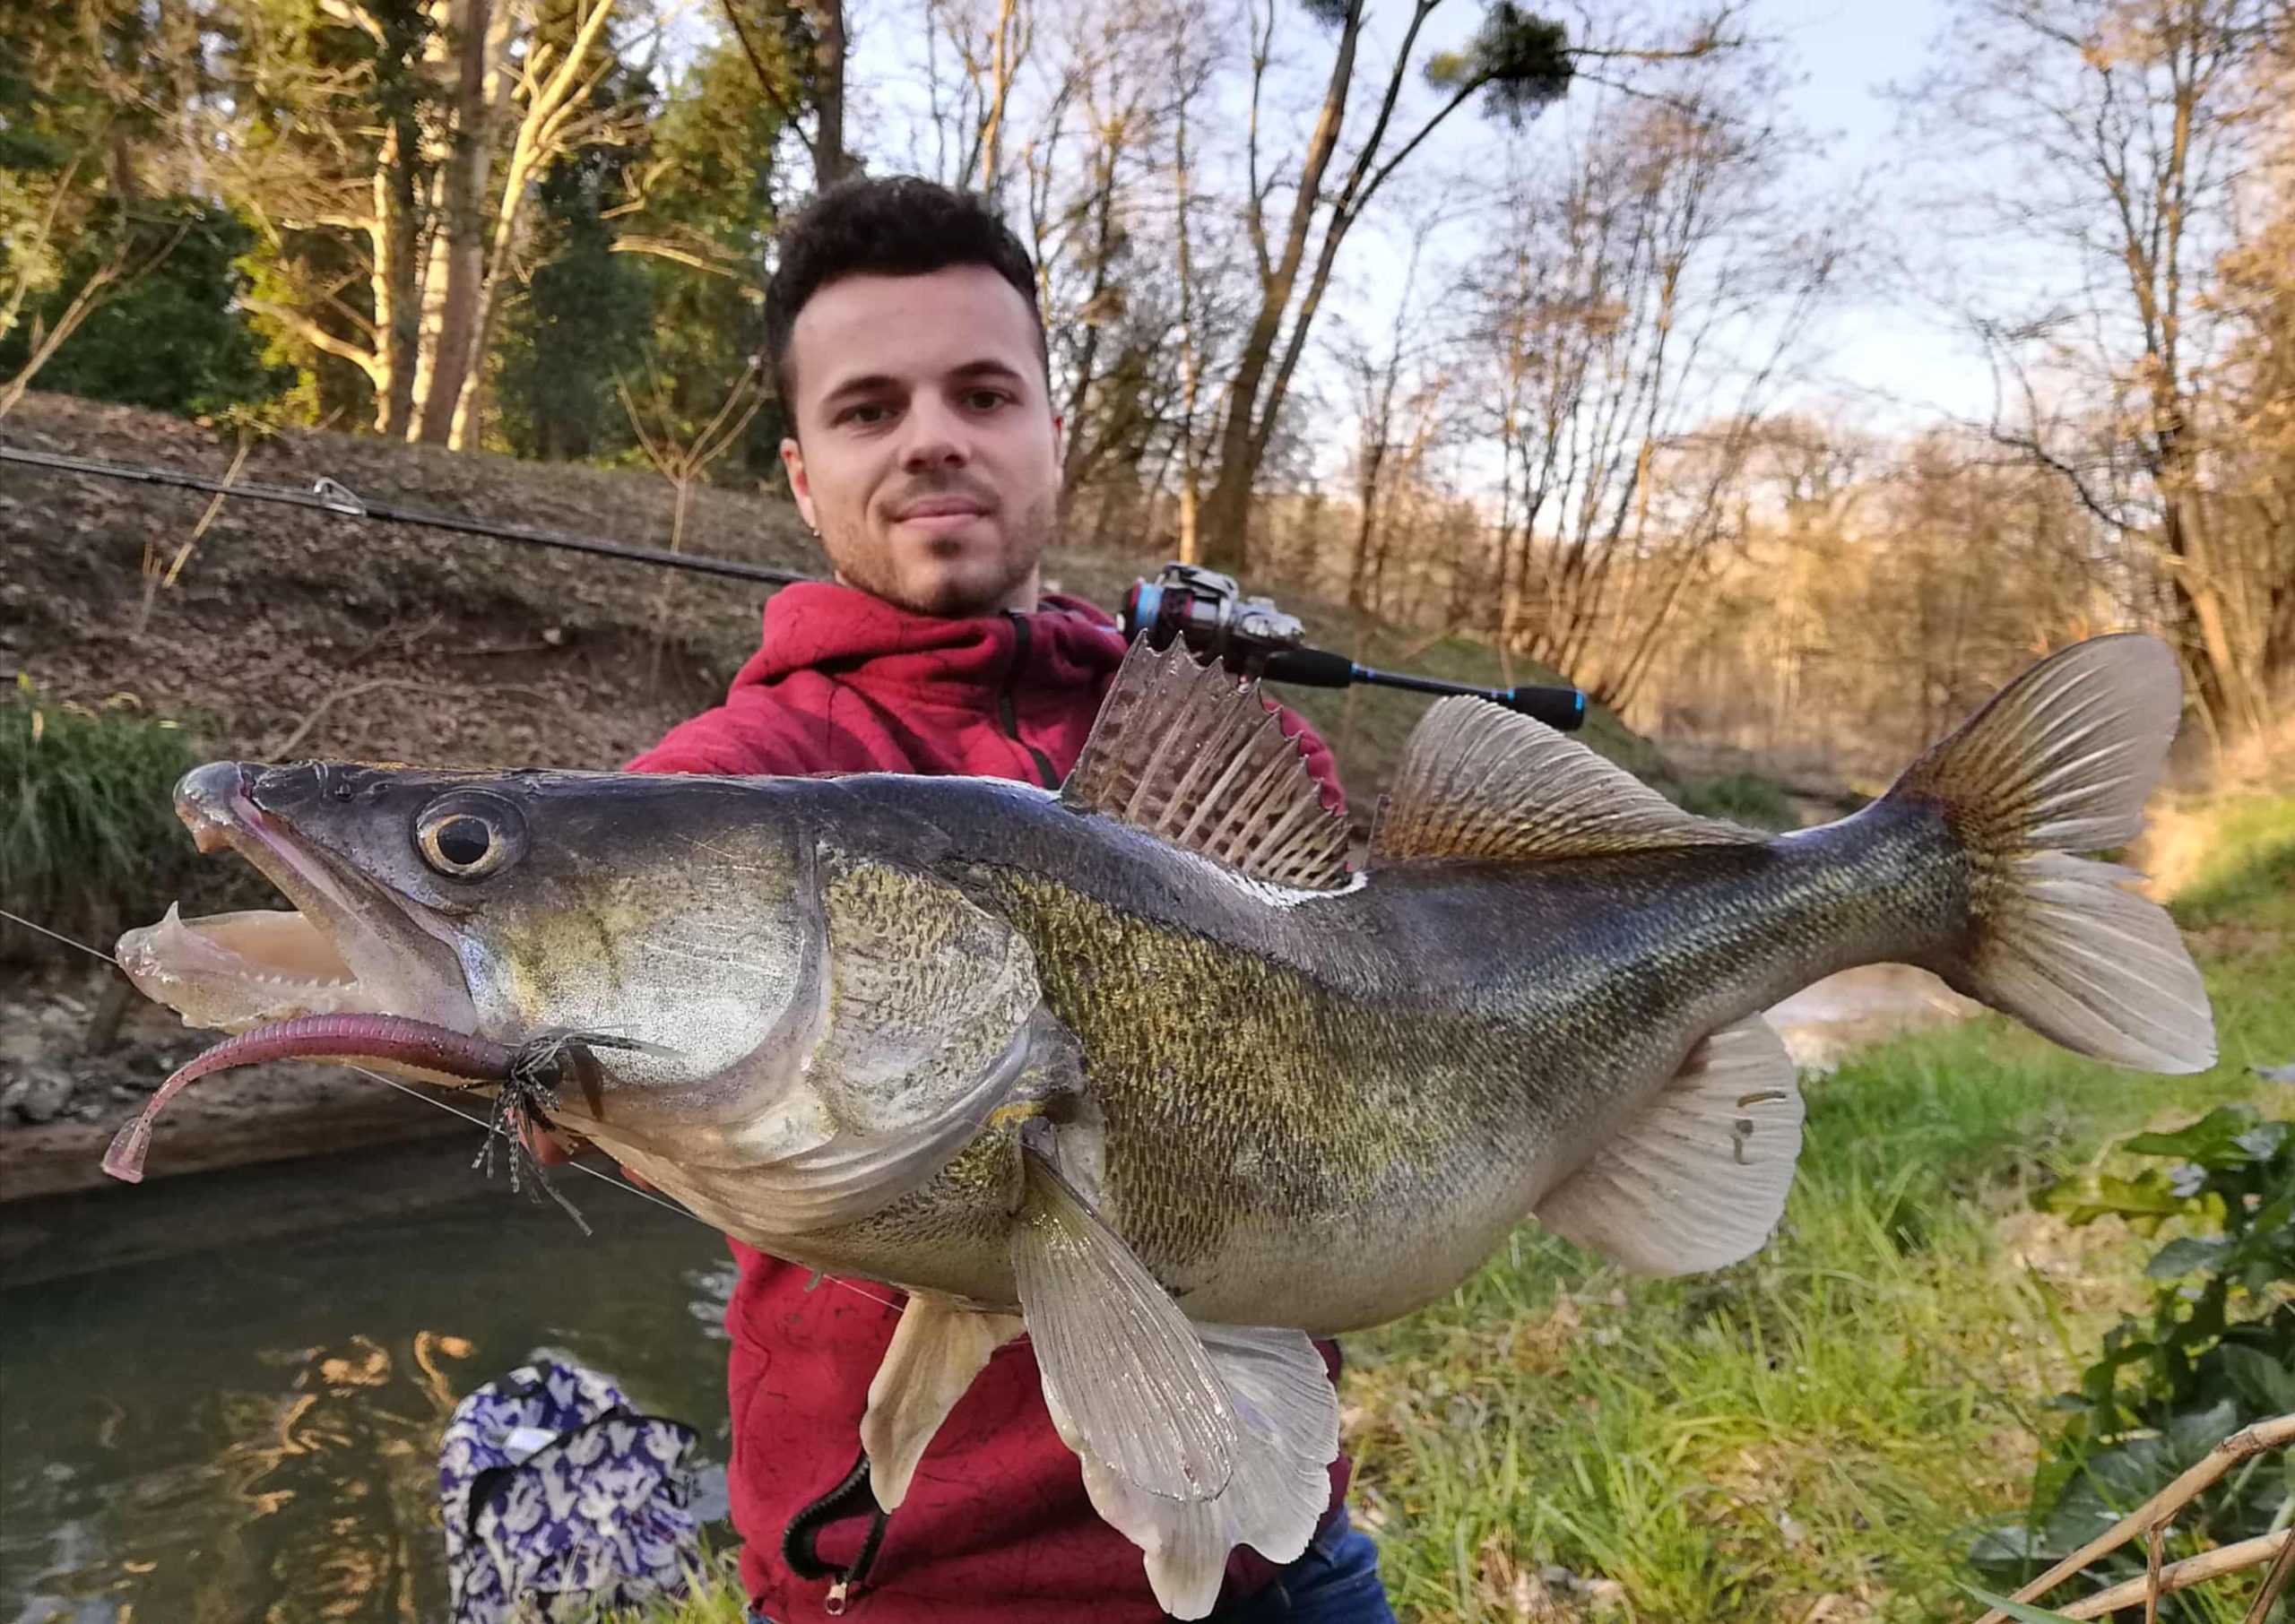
[
  {"x": 1206, "y": 609},
  {"x": 1209, "y": 612}
]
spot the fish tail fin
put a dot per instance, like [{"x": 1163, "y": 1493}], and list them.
[{"x": 2062, "y": 761}]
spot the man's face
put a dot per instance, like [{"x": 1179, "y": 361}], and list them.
[{"x": 927, "y": 455}]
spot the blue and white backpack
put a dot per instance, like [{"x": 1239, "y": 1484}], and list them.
[{"x": 560, "y": 1499}]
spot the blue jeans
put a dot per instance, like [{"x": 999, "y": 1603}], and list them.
[{"x": 1336, "y": 1582}]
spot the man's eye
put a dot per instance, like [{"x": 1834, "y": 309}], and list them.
[
  {"x": 986, "y": 400},
  {"x": 866, "y": 414}
]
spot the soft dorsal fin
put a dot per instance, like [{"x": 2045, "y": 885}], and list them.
[
  {"x": 1197, "y": 755},
  {"x": 1478, "y": 781}
]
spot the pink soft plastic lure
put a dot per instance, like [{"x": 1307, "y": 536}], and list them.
[{"x": 366, "y": 1037}]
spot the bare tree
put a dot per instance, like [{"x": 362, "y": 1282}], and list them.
[
  {"x": 684, "y": 458},
  {"x": 1640, "y": 305},
  {"x": 832, "y": 162},
  {"x": 2133, "y": 121},
  {"x": 991, "y": 40},
  {"x": 1518, "y": 60}
]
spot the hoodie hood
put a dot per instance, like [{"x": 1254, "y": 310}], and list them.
[{"x": 1064, "y": 646}]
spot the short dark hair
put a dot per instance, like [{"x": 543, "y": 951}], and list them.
[{"x": 893, "y": 224}]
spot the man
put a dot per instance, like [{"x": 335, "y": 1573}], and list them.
[{"x": 903, "y": 330}]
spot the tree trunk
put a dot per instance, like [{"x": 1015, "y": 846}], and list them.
[
  {"x": 1190, "y": 372},
  {"x": 391, "y": 243},
  {"x": 1226, "y": 515},
  {"x": 831, "y": 162},
  {"x": 458, "y": 273}
]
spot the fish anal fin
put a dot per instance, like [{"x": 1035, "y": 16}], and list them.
[
  {"x": 1698, "y": 1179},
  {"x": 1197, "y": 755},
  {"x": 1125, "y": 1375},
  {"x": 937, "y": 1350},
  {"x": 1288, "y": 1414},
  {"x": 1481, "y": 783}
]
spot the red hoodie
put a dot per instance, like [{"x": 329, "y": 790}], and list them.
[{"x": 996, "y": 1527}]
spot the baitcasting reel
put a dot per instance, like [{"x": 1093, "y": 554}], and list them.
[{"x": 1208, "y": 612}]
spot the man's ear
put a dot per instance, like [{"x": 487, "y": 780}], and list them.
[
  {"x": 792, "y": 459},
  {"x": 1059, "y": 440}
]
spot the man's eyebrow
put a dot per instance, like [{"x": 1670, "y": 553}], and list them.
[
  {"x": 865, "y": 383},
  {"x": 872, "y": 382},
  {"x": 986, "y": 368}
]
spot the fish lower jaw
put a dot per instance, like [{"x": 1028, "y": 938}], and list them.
[{"x": 234, "y": 971}]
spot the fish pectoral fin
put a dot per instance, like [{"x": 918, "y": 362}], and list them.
[
  {"x": 1124, "y": 1372},
  {"x": 1481, "y": 783},
  {"x": 1199, "y": 757},
  {"x": 1698, "y": 1179},
  {"x": 1288, "y": 1413},
  {"x": 937, "y": 1350}
]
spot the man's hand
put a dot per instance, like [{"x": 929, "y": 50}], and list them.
[{"x": 557, "y": 1147}]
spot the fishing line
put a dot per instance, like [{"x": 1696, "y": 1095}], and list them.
[
  {"x": 60, "y": 936},
  {"x": 332, "y": 496},
  {"x": 623, "y": 1185}
]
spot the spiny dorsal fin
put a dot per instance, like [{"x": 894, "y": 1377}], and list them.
[
  {"x": 1194, "y": 755},
  {"x": 1478, "y": 781}
]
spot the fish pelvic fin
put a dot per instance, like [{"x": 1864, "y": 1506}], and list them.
[
  {"x": 2062, "y": 761},
  {"x": 1124, "y": 1373},
  {"x": 937, "y": 1350},
  {"x": 1288, "y": 1414},
  {"x": 1698, "y": 1182},
  {"x": 1197, "y": 756},
  {"x": 1485, "y": 784}
]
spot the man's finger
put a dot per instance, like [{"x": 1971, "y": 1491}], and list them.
[
  {"x": 555, "y": 1147},
  {"x": 549, "y": 1150}
]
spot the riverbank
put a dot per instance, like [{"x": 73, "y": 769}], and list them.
[{"x": 70, "y": 1078}]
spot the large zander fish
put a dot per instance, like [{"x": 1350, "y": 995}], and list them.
[{"x": 1142, "y": 1067}]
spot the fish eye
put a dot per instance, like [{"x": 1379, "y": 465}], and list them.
[{"x": 470, "y": 834}]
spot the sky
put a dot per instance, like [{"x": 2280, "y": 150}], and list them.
[{"x": 1888, "y": 356}]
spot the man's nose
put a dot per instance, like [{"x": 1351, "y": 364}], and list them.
[{"x": 936, "y": 437}]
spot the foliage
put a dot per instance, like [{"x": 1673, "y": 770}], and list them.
[
  {"x": 584, "y": 319},
  {"x": 2250, "y": 871},
  {"x": 2215, "y": 1353},
  {"x": 1523, "y": 59},
  {"x": 88, "y": 841},
  {"x": 175, "y": 340}
]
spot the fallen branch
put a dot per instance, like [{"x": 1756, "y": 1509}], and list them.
[
  {"x": 2182, "y": 1576},
  {"x": 154, "y": 577},
  {"x": 2242, "y": 1445},
  {"x": 2273, "y": 1583}
]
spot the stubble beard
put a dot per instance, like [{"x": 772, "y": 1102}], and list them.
[{"x": 985, "y": 585}]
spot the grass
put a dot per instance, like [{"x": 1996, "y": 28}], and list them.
[
  {"x": 1814, "y": 1434},
  {"x": 88, "y": 838}
]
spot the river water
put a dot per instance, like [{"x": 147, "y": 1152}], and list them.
[{"x": 221, "y": 1395}]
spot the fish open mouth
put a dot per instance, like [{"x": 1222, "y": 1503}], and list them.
[
  {"x": 353, "y": 972},
  {"x": 348, "y": 947}
]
